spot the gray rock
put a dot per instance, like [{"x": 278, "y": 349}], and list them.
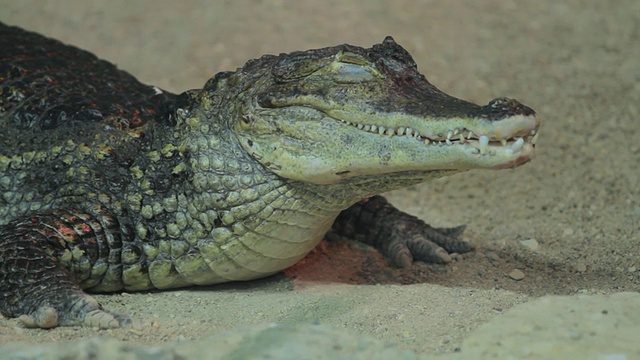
[
  {"x": 531, "y": 244},
  {"x": 303, "y": 341},
  {"x": 516, "y": 274},
  {"x": 562, "y": 327}
]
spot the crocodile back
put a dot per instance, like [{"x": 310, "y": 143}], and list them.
[{"x": 51, "y": 92}]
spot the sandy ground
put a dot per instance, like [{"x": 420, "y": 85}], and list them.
[{"x": 575, "y": 62}]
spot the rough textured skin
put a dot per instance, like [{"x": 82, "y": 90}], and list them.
[{"x": 107, "y": 184}]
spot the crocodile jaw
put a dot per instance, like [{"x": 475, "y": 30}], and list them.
[
  {"x": 457, "y": 143},
  {"x": 330, "y": 147}
]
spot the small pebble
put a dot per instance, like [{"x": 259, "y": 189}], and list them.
[
  {"x": 492, "y": 256},
  {"x": 581, "y": 268},
  {"x": 516, "y": 274},
  {"x": 531, "y": 244}
]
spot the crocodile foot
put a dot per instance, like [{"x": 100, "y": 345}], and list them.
[
  {"x": 401, "y": 237},
  {"x": 37, "y": 285},
  {"x": 84, "y": 311}
]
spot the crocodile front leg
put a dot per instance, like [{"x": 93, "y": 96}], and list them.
[
  {"x": 401, "y": 237},
  {"x": 43, "y": 257}
]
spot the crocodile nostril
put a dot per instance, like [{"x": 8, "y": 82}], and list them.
[{"x": 510, "y": 107}]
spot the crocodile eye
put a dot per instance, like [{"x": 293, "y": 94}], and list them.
[
  {"x": 350, "y": 67},
  {"x": 352, "y": 73}
]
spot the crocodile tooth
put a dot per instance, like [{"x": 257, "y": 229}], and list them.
[
  {"x": 416, "y": 134},
  {"x": 462, "y": 139},
  {"x": 374, "y": 128},
  {"x": 427, "y": 141},
  {"x": 517, "y": 145},
  {"x": 448, "y": 142},
  {"x": 504, "y": 142},
  {"x": 533, "y": 132},
  {"x": 360, "y": 126},
  {"x": 409, "y": 132},
  {"x": 401, "y": 130},
  {"x": 449, "y": 134},
  {"x": 381, "y": 130},
  {"x": 484, "y": 143},
  {"x": 534, "y": 139},
  {"x": 367, "y": 127},
  {"x": 391, "y": 132},
  {"x": 469, "y": 135}
]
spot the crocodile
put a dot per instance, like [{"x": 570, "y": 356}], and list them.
[{"x": 108, "y": 184}]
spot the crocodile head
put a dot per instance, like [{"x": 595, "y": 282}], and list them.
[{"x": 329, "y": 115}]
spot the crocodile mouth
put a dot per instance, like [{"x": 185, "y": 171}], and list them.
[
  {"x": 512, "y": 138},
  {"x": 349, "y": 142},
  {"x": 478, "y": 144}
]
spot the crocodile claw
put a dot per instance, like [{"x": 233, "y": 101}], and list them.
[
  {"x": 85, "y": 311},
  {"x": 401, "y": 237},
  {"x": 422, "y": 242}
]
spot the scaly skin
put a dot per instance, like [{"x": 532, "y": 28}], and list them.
[{"x": 107, "y": 184}]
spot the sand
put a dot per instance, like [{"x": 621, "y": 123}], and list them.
[{"x": 575, "y": 62}]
